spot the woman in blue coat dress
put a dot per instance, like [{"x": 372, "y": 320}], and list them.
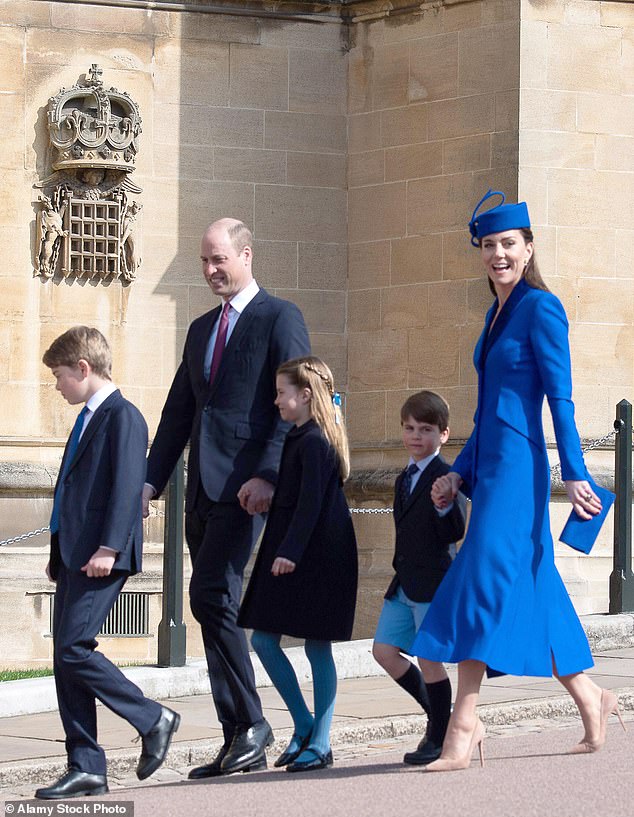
[{"x": 503, "y": 606}]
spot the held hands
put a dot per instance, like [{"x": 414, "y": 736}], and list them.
[
  {"x": 281, "y": 566},
  {"x": 584, "y": 500},
  {"x": 255, "y": 496},
  {"x": 445, "y": 489},
  {"x": 100, "y": 563},
  {"x": 148, "y": 493}
]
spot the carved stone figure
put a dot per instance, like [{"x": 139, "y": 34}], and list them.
[
  {"x": 130, "y": 250},
  {"x": 85, "y": 215},
  {"x": 49, "y": 231}
]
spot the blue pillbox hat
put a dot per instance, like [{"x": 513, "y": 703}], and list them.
[{"x": 497, "y": 219}]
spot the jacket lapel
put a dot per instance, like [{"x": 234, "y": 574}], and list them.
[
  {"x": 398, "y": 503},
  {"x": 512, "y": 302},
  {"x": 91, "y": 429},
  {"x": 423, "y": 485},
  {"x": 239, "y": 331}
]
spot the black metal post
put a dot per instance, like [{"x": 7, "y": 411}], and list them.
[
  {"x": 622, "y": 578},
  {"x": 172, "y": 629}
]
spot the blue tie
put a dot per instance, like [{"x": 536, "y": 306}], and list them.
[
  {"x": 73, "y": 443},
  {"x": 406, "y": 484}
]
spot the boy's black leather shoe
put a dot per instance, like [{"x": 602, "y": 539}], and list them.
[
  {"x": 157, "y": 742},
  {"x": 74, "y": 783},
  {"x": 427, "y": 752}
]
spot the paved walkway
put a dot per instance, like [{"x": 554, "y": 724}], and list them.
[{"x": 371, "y": 713}]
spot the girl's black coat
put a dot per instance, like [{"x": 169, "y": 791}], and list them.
[{"x": 310, "y": 524}]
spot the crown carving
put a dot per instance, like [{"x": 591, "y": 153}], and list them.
[{"x": 93, "y": 127}]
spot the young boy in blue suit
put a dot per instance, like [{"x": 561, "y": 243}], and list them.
[
  {"x": 96, "y": 543},
  {"x": 424, "y": 535}
]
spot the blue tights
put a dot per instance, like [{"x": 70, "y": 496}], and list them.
[{"x": 281, "y": 672}]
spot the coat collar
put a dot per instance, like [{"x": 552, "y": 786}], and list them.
[
  {"x": 492, "y": 333},
  {"x": 424, "y": 482},
  {"x": 95, "y": 421}
]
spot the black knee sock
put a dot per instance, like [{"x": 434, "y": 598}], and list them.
[
  {"x": 412, "y": 682},
  {"x": 440, "y": 709}
]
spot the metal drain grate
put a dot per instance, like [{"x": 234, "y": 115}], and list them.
[{"x": 129, "y": 618}]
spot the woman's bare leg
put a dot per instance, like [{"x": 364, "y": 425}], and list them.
[{"x": 463, "y": 723}]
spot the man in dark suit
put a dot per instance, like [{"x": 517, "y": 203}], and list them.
[
  {"x": 424, "y": 535},
  {"x": 222, "y": 401},
  {"x": 96, "y": 543}
]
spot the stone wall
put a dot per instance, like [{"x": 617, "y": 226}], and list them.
[
  {"x": 241, "y": 116},
  {"x": 576, "y": 170},
  {"x": 433, "y": 123}
]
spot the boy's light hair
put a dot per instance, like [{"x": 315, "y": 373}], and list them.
[
  {"x": 426, "y": 407},
  {"x": 80, "y": 343},
  {"x": 312, "y": 373}
]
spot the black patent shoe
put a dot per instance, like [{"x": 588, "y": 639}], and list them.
[
  {"x": 156, "y": 743},
  {"x": 74, "y": 783},
  {"x": 246, "y": 752},
  {"x": 427, "y": 752},
  {"x": 288, "y": 757},
  {"x": 320, "y": 761}
]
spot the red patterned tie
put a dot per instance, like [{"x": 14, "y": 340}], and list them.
[{"x": 221, "y": 340}]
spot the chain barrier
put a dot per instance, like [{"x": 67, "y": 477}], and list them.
[
  {"x": 555, "y": 470},
  {"x": 22, "y": 536}
]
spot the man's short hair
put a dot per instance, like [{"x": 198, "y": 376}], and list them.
[
  {"x": 80, "y": 343},
  {"x": 240, "y": 236},
  {"x": 426, "y": 407}
]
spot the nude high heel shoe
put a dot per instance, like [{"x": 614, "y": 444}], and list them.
[
  {"x": 449, "y": 764},
  {"x": 609, "y": 706}
]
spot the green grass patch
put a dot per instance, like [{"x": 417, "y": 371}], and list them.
[{"x": 20, "y": 674}]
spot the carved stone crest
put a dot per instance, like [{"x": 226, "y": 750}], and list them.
[{"x": 87, "y": 222}]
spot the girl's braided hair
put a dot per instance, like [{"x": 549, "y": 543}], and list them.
[{"x": 312, "y": 373}]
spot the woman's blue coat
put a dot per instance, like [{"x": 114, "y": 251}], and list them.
[{"x": 503, "y": 601}]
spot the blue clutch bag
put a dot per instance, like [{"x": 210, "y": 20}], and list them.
[{"x": 581, "y": 534}]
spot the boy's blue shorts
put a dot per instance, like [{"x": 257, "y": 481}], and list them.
[{"x": 400, "y": 620}]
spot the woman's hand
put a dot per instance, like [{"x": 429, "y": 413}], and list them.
[
  {"x": 445, "y": 489},
  {"x": 281, "y": 566},
  {"x": 584, "y": 500}
]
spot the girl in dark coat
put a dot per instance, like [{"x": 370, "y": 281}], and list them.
[{"x": 304, "y": 582}]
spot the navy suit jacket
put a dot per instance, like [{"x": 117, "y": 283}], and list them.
[
  {"x": 234, "y": 428},
  {"x": 101, "y": 500},
  {"x": 421, "y": 552}
]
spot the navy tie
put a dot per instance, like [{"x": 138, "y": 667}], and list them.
[
  {"x": 73, "y": 443},
  {"x": 406, "y": 483}
]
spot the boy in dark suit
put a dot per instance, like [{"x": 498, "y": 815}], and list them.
[
  {"x": 424, "y": 535},
  {"x": 96, "y": 543}
]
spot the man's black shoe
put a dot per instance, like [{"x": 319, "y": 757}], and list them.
[
  {"x": 209, "y": 769},
  {"x": 156, "y": 743},
  {"x": 427, "y": 752},
  {"x": 74, "y": 783},
  {"x": 247, "y": 748}
]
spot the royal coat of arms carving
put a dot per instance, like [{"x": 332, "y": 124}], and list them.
[{"x": 87, "y": 221}]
